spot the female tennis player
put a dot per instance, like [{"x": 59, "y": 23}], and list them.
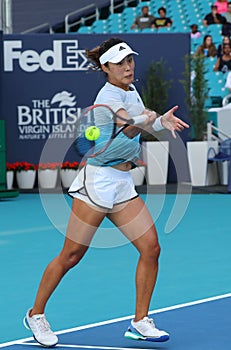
[{"x": 106, "y": 189}]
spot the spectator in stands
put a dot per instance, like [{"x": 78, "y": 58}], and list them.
[
  {"x": 228, "y": 82},
  {"x": 162, "y": 21},
  {"x": 226, "y": 28},
  {"x": 227, "y": 14},
  {"x": 222, "y": 6},
  {"x": 195, "y": 33},
  {"x": 207, "y": 49},
  {"x": 223, "y": 63},
  {"x": 213, "y": 17},
  {"x": 143, "y": 21},
  {"x": 225, "y": 40}
]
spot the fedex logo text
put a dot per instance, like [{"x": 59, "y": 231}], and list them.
[{"x": 64, "y": 56}]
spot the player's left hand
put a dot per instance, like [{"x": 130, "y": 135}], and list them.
[{"x": 172, "y": 123}]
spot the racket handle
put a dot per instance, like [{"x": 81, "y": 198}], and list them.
[{"x": 139, "y": 119}]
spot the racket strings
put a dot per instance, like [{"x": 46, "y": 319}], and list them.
[{"x": 102, "y": 118}]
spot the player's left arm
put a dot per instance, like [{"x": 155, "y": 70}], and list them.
[{"x": 169, "y": 121}]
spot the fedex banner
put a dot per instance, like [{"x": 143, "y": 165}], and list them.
[
  {"x": 45, "y": 83},
  {"x": 64, "y": 55}
]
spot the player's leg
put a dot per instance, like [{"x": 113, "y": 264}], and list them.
[
  {"x": 84, "y": 221},
  {"x": 135, "y": 222}
]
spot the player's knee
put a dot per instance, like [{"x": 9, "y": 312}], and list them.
[
  {"x": 72, "y": 259},
  {"x": 156, "y": 251},
  {"x": 153, "y": 252}
]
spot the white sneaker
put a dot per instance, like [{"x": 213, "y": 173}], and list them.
[
  {"x": 41, "y": 329},
  {"x": 145, "y": 329}
]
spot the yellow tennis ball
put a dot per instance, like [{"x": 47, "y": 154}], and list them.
[{"x": 92, "y": 133}]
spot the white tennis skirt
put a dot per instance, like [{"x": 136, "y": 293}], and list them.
[{"x": 103, "y": 187}]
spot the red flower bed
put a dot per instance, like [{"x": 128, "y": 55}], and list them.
[
  {"x": 19, "y": 166},
  {"x": 70, "y": 165}
]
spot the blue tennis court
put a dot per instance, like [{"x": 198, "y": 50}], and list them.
[{"x": 93, "y": 305}]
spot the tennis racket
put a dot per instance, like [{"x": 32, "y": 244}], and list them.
[{"x": 105, "y": 129}]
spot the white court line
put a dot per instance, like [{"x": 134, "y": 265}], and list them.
[
  {"x": 91, "y": 347},
  {"x": 170, "y": 308},
  {"x": 98, "y": 324}
]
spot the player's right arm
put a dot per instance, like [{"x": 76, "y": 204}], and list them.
[{"x": 133, "y": 130}]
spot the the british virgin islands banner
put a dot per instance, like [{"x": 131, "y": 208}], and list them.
[{"x": 45, "y": 82}]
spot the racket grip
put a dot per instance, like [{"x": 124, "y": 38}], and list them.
[{"x": 139, "y": 119}]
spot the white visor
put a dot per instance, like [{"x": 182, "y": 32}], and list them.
[{"x": 117, "y": 53}]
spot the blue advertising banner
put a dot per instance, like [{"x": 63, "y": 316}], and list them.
[{"x": 45, "y": 83}]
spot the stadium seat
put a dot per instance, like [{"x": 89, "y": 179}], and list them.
[
  {"x": 149, "y": 30},
  {"x": 116, "y": 28},
  {"x": 85, "y": 30},
  {"x": 99, "y": 26},
  {"x": 119, "y": 17},
  {"x": 129, "y": 30},
  {"x": 164, "y": 30},
  {"x": 224, "y": 154}
]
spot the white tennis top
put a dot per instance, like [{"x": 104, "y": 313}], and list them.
[{"x": 122, "y": 149}]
